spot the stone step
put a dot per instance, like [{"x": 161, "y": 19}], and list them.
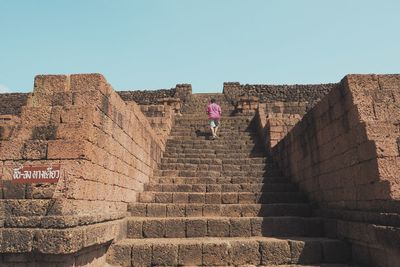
[
  {"x": 205, "y": 137},
  {"x": 223, "y": 156},
  {"x": 220, "y": 140},
  {"x": 238, "y": 140},
  {"x": 218, "y": 149},
  {"x": 219, "y": 210},
  {"x": 204, "y": 126},
  {"x": 196, "y": 122},
  {"x": 217, "y": 161},
  {"x": 237, "y": 251},
  {"x": 254, "y": 187},
  {"x": 218, "y": 145},
  {"x": 223, "y": 126},
  {"x": 222, "y": 129},
  {"x": 223, "y": 133},
  {"x": 231, "y": 129},
  {"x": 185, "y": 227},
  {"x": 190, "y": 118},
  {"x": 218, "y": 173},
  {"x": 222, "y": 198},
  {"x": 214, "y": 167},
  {"x": 217, "y": 180}
]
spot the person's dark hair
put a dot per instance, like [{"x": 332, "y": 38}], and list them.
[{"x": 212, "y": 100}]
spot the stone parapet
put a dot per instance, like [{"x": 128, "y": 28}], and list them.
[
  {"x": 183, "y": 91},
  {"x": 308, "y": 94},
  {"x": 146, "y": 97}
]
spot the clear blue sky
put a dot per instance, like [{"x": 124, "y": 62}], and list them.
[{"x": 152, "y": 44}]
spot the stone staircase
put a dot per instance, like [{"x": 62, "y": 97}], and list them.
[{"x": 222, "y": 202}]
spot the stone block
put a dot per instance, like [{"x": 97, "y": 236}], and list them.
[
  {"x": 275, "y": 252},
  {"x": 229, "y": 198},
  {"x": 33, "y": 149},
  {"x": 153, "y": 228},
  {"x": 180, "y": 197},
  {"x": 199, "y": 188},
  {"x": 142, "y": 255},
  {"x": 194, "y": 210},
  {"x": 247, "y": 198},
  {"x": 251, "y": 210},
  {"x": 119, "y": 255},
  {"x": 196, "y": 198},
  {"x": 13, "y": 190},
  {"x": 190, "y": 254},
  {"x": 137, "y": 209},
  {"x": 176, "y": 210},
  {"x": 65, "y": 149},
  {"x": 231, "y": 210},
  {"x": 40, "y": 191},
  {"x": 16, "y": 240},
  {"x": 45, "y": 87},
  {"x": 211, "y": 210},
  {"x": 305, "y": 252},
  {"x": 240, "y": 227},
  {"x": 27, "y": 207},
  {"x": 156, "y": 210},
  {"x": 216, "y": 254},
  {"x": 196, "y": 228},
  {"x": 146, "y": 197},
  {"x": 59, "y": 241},
  {"x": 163, "y": 197},
  {"x": 175, "y": 228},
  {"x": 134, "y": 229},
  {"x": 213, "y": 198},
  {"x": 218, "y": 227},
  {"x": 165, "y": 254},
  {"x": 245, "y": 253}
]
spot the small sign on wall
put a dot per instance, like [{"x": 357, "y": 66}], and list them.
[{"x": 36, "y": 173}]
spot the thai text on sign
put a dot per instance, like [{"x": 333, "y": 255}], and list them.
[{"x": 37, "y": 174}]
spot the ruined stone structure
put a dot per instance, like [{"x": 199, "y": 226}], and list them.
[{"x": 300, "y": 175}]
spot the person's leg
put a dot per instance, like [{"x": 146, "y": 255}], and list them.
[
  {"x": 212, "y": 131},
  {"x": 212, "y": 127},
  {"x": 216, "y": 128},
  {"x": 215, "y": 131}
]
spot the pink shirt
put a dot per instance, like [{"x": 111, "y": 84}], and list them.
[{"x": 214, "y": 111}]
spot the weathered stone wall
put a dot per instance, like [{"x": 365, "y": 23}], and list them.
[
  {"x": 146, "y": 97},
  {"x": 345, "y": 154},
  {"x": 107, "y": 151},
  {"x": 309, "y": 94},
  {"x": 276, "y": 119},
  {"x": 273, "y": 126},
  {"x": 161, "y": 119},
  {"x": 11, "y": 104},
  {"x": 183, "y": 91}
]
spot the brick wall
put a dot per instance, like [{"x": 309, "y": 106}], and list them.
[
  {"x": 107, "y": 151},
  {"x": 344, "y": 153}
]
